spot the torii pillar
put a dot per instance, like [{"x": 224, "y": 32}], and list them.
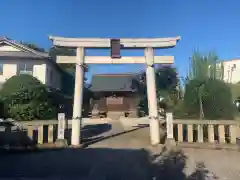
[
  {"x": 152, "y": 97},
  {"x": 78, "y": 97},
  {"x": 149, "y": 59}
]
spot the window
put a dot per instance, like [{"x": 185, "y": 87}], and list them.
[
  {"x": 24, "y": 68},
  {"x": 1, "y": 69}
]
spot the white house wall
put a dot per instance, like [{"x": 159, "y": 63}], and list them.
[
  {"x": 232, "y": 75},
  {"x": 10, "y": 69}
]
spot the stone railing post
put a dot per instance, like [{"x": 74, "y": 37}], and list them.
[
  {"x": 170, "y": 141},
  {"x": 62, "y": 124}
]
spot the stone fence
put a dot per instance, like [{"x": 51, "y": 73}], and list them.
[
  {"x": 184, "y": 131},
  {"x": 210, "y": 131},
  {"x": 38, "y": 132}
]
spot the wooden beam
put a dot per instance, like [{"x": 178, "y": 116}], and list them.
[
  {"x": 106, "y": 43},
  {"x": 109, "y": 60}
]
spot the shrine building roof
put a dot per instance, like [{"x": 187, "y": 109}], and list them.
[{"x": 114, "y": 83}]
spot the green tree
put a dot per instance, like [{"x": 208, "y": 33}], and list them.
[
  {"x": 60, "y": 51},
  {"x": 205, "y": 82},
  {"x": 166, "y": 86},
  {"x": 203, "y": 66}
]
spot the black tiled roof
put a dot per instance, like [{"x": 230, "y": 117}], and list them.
[{"x": 113, "y": 82}]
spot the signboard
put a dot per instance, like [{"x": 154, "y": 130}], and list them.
[
  {"x": 61, "y": 125},
  {"x": 115, "y": 48}
]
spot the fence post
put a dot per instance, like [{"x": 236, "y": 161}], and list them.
[
  {"x": 62, "y": 124},
  {"x": 170, "y": 141}
]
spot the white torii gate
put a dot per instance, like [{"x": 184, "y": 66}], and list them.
[{"x": 80, "y": 59}]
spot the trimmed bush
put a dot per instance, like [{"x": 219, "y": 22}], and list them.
[
  {"x": 26, "y": 98},
  {"x": 216, "y": 99}
]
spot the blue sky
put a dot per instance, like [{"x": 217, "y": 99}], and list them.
[{"x": 202, "y": 24}]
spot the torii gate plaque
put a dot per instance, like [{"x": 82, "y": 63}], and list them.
[{"x": 149, "y": 59}]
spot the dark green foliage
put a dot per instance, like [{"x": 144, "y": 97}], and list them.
[
  {"x": 166, "y": 87},
  {"x": 166, "y": 79},
  {"x": 235, "y": 89},
  {"x": 56, "y": 51},
  {"x": 143, "y": 106},
  {"x": 68, "y": 83},
  {"x": 216, "y": 99},
  {"x": 58, "y": 98},
  {"x": 1, "y": 109},
  {"x": 191, "y": 100},
  {"x": 26, "y": 98},
  {"x": 181, "y": 112},
  {"x": 33, "y": 46}
]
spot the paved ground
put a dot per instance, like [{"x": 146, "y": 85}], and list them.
[{"x": 126, "y": 156}]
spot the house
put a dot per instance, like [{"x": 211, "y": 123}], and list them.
[
  {"x": 231, "y": 70},
  {"x": 115, "y": 93},
  {"x": 16, "y": 59}
]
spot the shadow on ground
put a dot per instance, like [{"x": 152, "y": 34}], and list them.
[
  {"x": 90, "y": 132},
  {"x": 98, "y": 164},
  {"x": 19, "y": 138},
  {"x": 92, "y": 140}
]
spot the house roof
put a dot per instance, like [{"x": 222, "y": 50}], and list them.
[
  {"x": 113, "y": 82},
  {"x": 20, "y": 54},
  {"x": 25, "y": 51}
]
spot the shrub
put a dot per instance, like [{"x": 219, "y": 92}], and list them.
[
  {"x": 191, "y": 97},
  {"x": 216, "y": 99},
  {"x": 180, "y": 112},
  {"x": 26, "y": 98},
  {"x": 217, "y": 102},
  {"x": 235, "y": 89}
]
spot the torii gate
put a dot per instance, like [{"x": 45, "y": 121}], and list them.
[{"x": 80, "y": 59}]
